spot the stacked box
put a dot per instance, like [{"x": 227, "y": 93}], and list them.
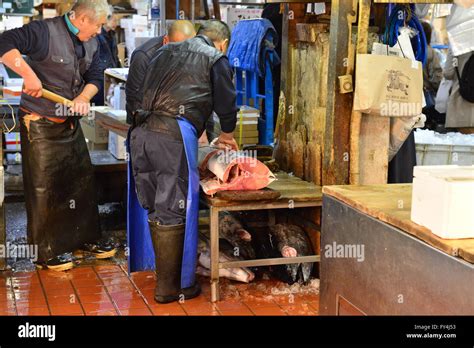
[{"x": 246, "y": 130}]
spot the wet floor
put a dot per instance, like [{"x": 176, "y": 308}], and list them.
[
  {"x": 109, "y": 290},
  {"x": 103, "y": 287}
]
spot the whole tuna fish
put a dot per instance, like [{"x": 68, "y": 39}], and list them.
[
  {"x": 232, "y": 230},
  {"x": 226, "y": 253},
  {"x": 291, "y": 241}
]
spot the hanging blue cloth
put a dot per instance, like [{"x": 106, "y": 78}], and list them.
[
  {"x": 252, "y": 40},
  {"x": 188, "y": 268},
  {"x": 141, "y": 255}
]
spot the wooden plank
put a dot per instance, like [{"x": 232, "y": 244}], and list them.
[
  {"x": 392, "y": 204},
  {"x": 253, "y": 195},
  {"x": 335, "y": 160},
  {"x": 112, "y": 124},
  {"x": 291, "y": 189}
]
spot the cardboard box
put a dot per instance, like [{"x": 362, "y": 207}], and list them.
[
  {"x": 95, "y": 133},
  {"x": 117, "y": 146},
  {"x": 443, "y": 200}
]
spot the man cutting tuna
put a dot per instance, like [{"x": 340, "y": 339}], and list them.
[
  {"x": 185, "y": 83},
  {"x": 58, "y": 177}
]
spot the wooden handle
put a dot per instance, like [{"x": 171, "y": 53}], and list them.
[{"x": 56, "y": 98}]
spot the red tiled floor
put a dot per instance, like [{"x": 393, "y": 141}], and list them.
[
  {"x": 94, "y": 298},
  {"x": 73, "y": 309},
  {"x": 33, "y": 311},
  {"x": 102, "y": 313},
  {"x": 32, "y": 303},
  {"x": 86, "y": 282},
  {"x": 120, "y": 288},
  {"x": 63, "y": 300},
  {"x": 231, "y": 305},
  {"x": 100, "y": 306},
  {"x": 273, "y": 310},
  {"x": 130, "y": 303},
  {"x": 195, "y": 308},
  {"x": 244, "y": 311},
  {"x": 122, "y": 295},
  {"x": 107, "y": 290},
  {"x": 135, "y": 311},
  {"x": 256, "y": 304},
  {"x": 116, "y": 281},
  {"x": 91, "y": 290},
  {"x": 167, "y": 309},
  {"x": 314, "y": 306},
  {"x": 299, "y": 309},
  {"x": 7, "y": 312}
]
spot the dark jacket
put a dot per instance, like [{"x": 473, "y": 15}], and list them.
[
  {"x": 179, "y": 82},
  {"x": 60, "y": 71},
  {"x": 108, "y": 54},
  {"x": 139, "y": 62}
]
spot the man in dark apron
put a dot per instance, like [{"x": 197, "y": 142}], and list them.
[
  {"x": 57, "y": 172},
  {"x": 178, "y": 31},
  {"x": 184, "y": 84}
]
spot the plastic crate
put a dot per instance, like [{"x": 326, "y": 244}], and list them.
[{"x": 432, "y": 155}]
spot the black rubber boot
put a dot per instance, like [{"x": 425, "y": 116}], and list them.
[{"x": 168, "y": 242}]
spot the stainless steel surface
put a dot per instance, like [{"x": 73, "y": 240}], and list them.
[{"x": 400, "y": 274}]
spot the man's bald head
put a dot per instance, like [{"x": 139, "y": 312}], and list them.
[{"x": 181, "y": 30}]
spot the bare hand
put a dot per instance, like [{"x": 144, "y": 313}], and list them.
[
  {"x": 226, "y": 141},
  {"x": 33, "y": 86},
  {"x": 203, "y": 141},
  {"x": 81, "y": 105}
]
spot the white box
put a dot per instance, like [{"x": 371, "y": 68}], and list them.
[
  {"x": 443, "y": 200},
  {"x": 117, "y": 146}
]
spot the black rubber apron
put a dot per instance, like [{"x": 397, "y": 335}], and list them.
[{"x": 59, "y": 187}]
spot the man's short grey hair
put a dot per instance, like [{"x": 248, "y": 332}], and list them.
[
  {"x": 96, "y": 8},
  {"x": 215, "y": 30}
]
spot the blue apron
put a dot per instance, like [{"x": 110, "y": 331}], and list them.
[{"x": 141, "y": 254}]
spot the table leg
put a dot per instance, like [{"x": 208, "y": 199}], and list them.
[{"x": 214, "y": 227}]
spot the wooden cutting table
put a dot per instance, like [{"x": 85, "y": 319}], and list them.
[
  {"x": 294, "y": 193},
  {"x": 405, "y": 269}
]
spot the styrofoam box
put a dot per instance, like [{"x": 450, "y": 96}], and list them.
[{"x": 443, "y": 200}]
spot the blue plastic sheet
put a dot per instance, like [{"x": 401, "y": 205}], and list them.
[{"x": 251, "y": 40}]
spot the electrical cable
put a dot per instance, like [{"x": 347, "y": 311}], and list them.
[{"x": 404, "y": 16}]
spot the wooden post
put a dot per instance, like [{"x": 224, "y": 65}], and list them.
[{"x": 338, "y": 106}]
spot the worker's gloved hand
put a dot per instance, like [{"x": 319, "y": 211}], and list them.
[
  {"x": 226, "y": 141},
  {"x": 32, "y": 86},
  {"x": 81, "y": 105}
]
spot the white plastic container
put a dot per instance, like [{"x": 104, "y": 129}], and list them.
[
  {"x": 443, "y": 200},
  {"x": 117, "y": 146},
  {"x": 441, "y": 154}
]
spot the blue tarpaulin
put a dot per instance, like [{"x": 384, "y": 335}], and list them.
[{"x": 251, "y": 40}]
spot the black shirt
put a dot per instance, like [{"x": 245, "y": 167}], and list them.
[
  {"x": 223, "y": 88},
  {"x": 33, "y": 40},
  {"x": 140, "y": 60}
]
